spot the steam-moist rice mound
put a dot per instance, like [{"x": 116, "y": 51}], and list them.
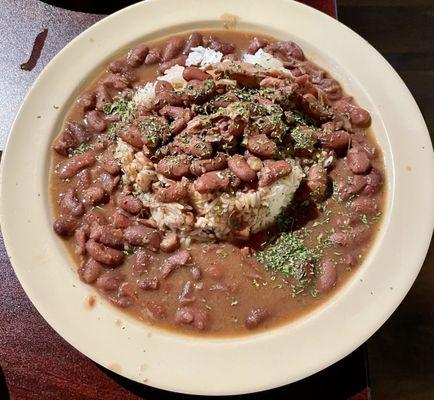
[
  {"x": 238, "y": 115},
  {"x": 206, "y": 216}
]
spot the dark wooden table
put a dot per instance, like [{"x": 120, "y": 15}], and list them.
[{"x": 37, "y": 364}]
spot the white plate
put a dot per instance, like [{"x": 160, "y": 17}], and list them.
[{"x": 242, "y": 364}]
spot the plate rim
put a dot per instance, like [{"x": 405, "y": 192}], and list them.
[{"x": 7, "y": 160}]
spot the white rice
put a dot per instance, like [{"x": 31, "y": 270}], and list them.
[
  {"x": 203, "y": 56},
  {"x": 263, "y": 59},
  {"x": 173, "y": 75},
  {"x": 145, "y": 96}
]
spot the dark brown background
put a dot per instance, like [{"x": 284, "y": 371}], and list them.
[{"x": 37, "y": 364}]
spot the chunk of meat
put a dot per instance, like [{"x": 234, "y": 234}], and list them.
[
  {"x": 212, "y": 181},
  {"x": 104, "y": 254},
  {"x": 262, "y": 146},
  {"x": 108, "y": 182},
  {"x": 193, "y": 316},
  {"x": 239, "y": 166},
  {"x": 222, "y": 47},
  {"x": 272, "y": 171},
  {"x": 72, "y": 136},
  {"x": 102, "y": 96},
  {"x": 153, "y": 57},
  {"x": 71, "y": 166},
  {"x": 132, "y": 135},
  {"x": 140, "y": 235},
  {"x": 120, "y": 220},
  {"x": 256, "y": 317},
  {"x": 255, "y": 44},
  {"x": 175, "y": 261},
  {"x": 169, "y": 243},
  {"x": 374, "y": 182},
  {"x": 86, "y": 102}
]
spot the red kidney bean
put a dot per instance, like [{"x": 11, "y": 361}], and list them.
[
  {"x": 358, "y": 234},
  {"x": 374, "y": 182},
  {"x": 176, "y": 192},
  {"x": 330, "y": 87},
  {"x": 109, "y": 163},
  {"x": 115, "y": 81},
  {"x": 140, "y": 235},
  {"x": 72, "y": 136},
  {"x": 80, "y": 238},
  {"x": 109, "y": 182},
  {"x": 153, "y": 57},
  {"x": 180, "y": 60},
  {"x": 165, "y": 94},
  {"x": 212, "y": 181},
  {"x": 130, "y": 204},
  {"x": 175, "y": 261},
  {"x": 196, "y": 317},
  {"x": 199, "y": 91},
  {"x": 335, "y": 140},
  {"x": 104, "y": 254},
  {"x": 358, "y": 161},
  {"x": 120, "y": 220},
  {"x": 69, "y": 204},
  {"x": 136, "y": 56},
  {"x": 255, "y": 44},
  {"x": 96, "y": 121},
  {"x": 262, "y": 146},
  {"x": 195, "y": 146},
  {"x": 102, "y": 97},
  {"x": 83, "y": 179},
  {"x": 327, "y": 276},
  {"x": 317, "y": 181},
  {"x": 194, "y": 40},
  {"x": 149, "y": 283},
  {"x": 222, "y": 47},
  {"x": 364, "y": 205},
  {"x": 239, "y": 166},
  {"x": 254, "y": 162},
  {"x": 132, "y": 135},
  {"x": 174, "y": 167},
  {"x": 356, "y": 185},
  {"x": 157, "y": 311},
  {"x": 289, "y": 49},
  {"x": 109, "y": 281},
  {"x": 256, "y": 317},
  {"x": 65, "y": 225},
  {"x": 71, "y": 166},
  {"x": 272, "y": 171},
  {"x": 90, "y": 271},
  {"x": 173, "y": 47},
  {"x": 94, "y": 196},
  {"x": 107, "y": 235},
  {"x": 86, "y": 102},
  {"x": 360, "y": 117},
  {"x": 199, "y": 167},
  {"x": 191, "y": 73}
]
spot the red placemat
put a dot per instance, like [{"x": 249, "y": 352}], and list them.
[{"x": 36, "y": 363}]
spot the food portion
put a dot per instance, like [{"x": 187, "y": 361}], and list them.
[{"x": 216, "y": 182}]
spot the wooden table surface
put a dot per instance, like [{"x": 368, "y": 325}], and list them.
[{"x": 37, "y": 364}]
